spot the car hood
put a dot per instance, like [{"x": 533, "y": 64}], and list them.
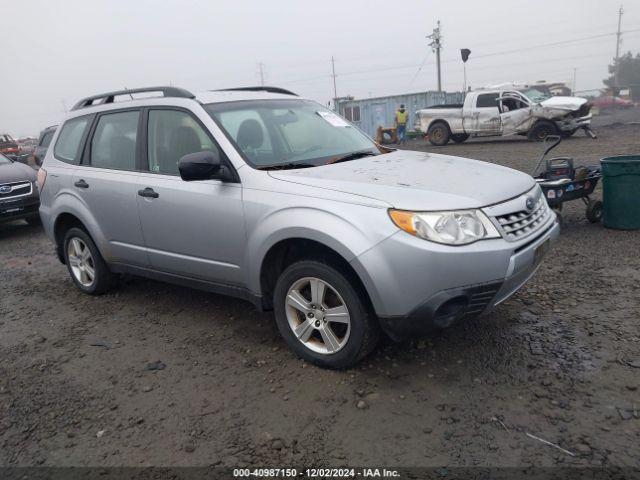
[
  {"x": 16, "y": 172},
  {"x": 416, "y": 180},
  {"x": 564, "y": 103}
]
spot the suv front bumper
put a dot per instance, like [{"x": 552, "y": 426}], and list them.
[
  {"x": 19, "y": 206},
  {"x": 417, "y": 286}
]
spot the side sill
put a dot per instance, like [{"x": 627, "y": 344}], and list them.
[{"x": 190, "y": 282}]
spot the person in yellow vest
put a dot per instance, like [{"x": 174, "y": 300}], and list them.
[{"x": 402, "y": 117}]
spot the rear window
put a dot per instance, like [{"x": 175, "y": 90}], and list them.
[
  {"x": 67, "y": 147},
  {"x": 487, "y": 100},
  {"x": 114, "y": 142}
]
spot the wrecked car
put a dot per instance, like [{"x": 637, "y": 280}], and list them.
[{"x": 487, "y": 113}]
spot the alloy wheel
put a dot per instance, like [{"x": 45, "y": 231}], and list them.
[
  {"x": 318, "y": 315},
  {"x": 81, "y": 262}
]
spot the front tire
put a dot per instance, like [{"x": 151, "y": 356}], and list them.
[
  {"x": 323, "y": 315},
  {"x": 541, "y": 130},
  {"x": 439, "y": 134},
  {"x": 86, "y": 266}
]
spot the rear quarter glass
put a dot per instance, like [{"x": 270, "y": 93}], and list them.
[{"x": 67, "y": 148}]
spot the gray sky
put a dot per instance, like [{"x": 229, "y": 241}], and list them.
[{"x": 55, "y": 52}]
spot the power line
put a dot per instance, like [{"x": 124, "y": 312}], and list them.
[
  {"x": 418, "y": 72},
  {"x": 486, "y": 55},
  {"x": 325, "y": 77},
  {"x": 543, "y": 45}
]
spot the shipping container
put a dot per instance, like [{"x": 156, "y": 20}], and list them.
[{"x": 371, "y": 113}]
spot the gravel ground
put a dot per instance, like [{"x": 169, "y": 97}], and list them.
[{"x": 80, "y": 382}]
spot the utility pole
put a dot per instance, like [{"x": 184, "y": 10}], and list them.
[
  {"x": 260, "y": 65},
  {"x": 618, "y": 35},
  {"x": 436, "y": 45},
  {"x": 335, "y": 90},
  {"x": 573, "y": 87}
]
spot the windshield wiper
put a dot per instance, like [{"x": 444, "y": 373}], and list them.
[
  {"x": 286, "y": 166},
  {"x": 352, "y": 156}
]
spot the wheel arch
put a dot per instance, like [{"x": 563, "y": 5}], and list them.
[
  {"x": 293, "y": 233},
  {"x": 63, "y": 222},
  {"x": 67, "y": 213},
  {"x": 439, "y": 120},
  {"x": 290, "y": 250}
]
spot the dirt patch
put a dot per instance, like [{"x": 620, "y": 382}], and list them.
[{"x": 558, "y": 361}]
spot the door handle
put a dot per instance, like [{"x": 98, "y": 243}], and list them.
[
  {"x": 81, "y": 184},
  {"x": 148, "y": 193}
]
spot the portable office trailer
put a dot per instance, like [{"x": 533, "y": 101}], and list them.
[{"x": 371, "y": 113}]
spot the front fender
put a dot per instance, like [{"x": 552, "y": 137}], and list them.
[{"x": 348, "y": 234}]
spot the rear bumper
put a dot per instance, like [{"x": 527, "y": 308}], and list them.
[{"x": 451, "y": 305}]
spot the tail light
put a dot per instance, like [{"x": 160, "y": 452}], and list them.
[{"x": 42, "y": 177}]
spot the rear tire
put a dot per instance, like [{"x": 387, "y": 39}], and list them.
[
  {"x": 541, "y": 130},
  {"x": 594, "y": 211},
  {"x": 86, "y": 266},
  {"x": 459, "y": 137},
  {"x": 349, "y": 331},
  {"x": 439, "y": 134}
]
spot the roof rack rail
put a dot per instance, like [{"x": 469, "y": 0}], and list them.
[
  {"x": 259, "y": 89},
  {"x": 109, "y": 97}
]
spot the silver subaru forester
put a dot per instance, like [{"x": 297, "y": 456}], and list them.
[{"x": 266, "y": 196}]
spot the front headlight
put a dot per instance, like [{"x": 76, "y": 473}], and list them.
[{"x": 457, "y": 227}]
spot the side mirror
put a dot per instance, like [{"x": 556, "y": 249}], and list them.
[{"x": 203, "y": 165}]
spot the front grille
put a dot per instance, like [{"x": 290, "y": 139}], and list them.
[
  {"x": 18, "y": 189},
  {"x": 522, "y": 223},
  {"x": 583, "y": 111},
  {"x": 480, "y": 298}
]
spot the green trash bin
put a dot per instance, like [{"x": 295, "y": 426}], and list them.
[{"x": 621, "y": 192}]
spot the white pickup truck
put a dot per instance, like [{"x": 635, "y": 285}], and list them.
[{"x": 500, "y": 112}]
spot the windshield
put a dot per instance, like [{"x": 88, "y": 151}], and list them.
[
  {"x": 535, "y": 95},
  {"x": 288, "y": 132},
  {"x": 4, "y": 159}
]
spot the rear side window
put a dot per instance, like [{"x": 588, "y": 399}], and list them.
[
  {"x": 114, "y": 142},
  {"x": 46, "y": 139},
  {"x": 487, "y": 100},
  {"x": 68, "y": 143}
]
